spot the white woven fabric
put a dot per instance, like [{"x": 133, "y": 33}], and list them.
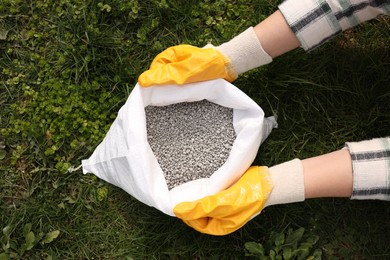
[{"x": 125, "y": 159}]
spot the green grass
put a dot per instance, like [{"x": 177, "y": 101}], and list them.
[{"x": 67, "y": 67}]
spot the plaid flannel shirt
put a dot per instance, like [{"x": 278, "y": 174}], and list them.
[
  {"x": 371, "y": 168},
  {"x": 316, "y": 21}
]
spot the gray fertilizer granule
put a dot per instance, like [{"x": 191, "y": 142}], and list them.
[{"x": 190, "y": 140}]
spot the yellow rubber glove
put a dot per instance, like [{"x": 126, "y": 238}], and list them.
[
  {"x": 184, "y": 64},
  {"x": 187, "y": 64},
  {"x": 228, "y": 210}
]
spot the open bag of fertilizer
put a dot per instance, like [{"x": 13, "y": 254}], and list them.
[{"x": 173, "y": 144}]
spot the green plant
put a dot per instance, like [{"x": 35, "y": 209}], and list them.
[
  {"x": 15, "y": 246},
  {"x": 294, "y": 244}
]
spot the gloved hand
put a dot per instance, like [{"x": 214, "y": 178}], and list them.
[
  {"x": 183, "y": 64},
  {"x": 259, "y": 187}
]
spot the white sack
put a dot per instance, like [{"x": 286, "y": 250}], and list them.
[{"x": 125, "y": 159}]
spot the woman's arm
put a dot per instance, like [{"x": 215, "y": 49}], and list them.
[
  {"x": 275, "y": 35},
  {"x": 328, "y": 175}
]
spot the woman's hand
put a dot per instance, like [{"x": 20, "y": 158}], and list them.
[{"x": 183, "y": 64}]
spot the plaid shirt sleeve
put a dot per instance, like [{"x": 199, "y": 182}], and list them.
[
  {"x": 316, "y": 21},
  {"x": 371, "y": 168}
]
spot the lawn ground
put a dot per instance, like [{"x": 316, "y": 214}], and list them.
[{"x": 67, "y": 66}]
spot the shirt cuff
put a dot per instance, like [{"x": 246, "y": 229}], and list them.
[
  {"x": 312, "y": 21},
  {"x": 316, "y": 21},
  {"x": 371, "y": 168}
]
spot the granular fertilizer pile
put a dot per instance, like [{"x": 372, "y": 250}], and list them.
[{"x": 190, "y": 140}]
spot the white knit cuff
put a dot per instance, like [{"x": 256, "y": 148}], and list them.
[
  {"x": 245, "y": 52},
  {"x": 287, "y": 179}
]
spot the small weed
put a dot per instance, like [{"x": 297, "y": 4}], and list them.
[
  {"x": 294, "y": 244},
  {"x": 16, "y": 245}
]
